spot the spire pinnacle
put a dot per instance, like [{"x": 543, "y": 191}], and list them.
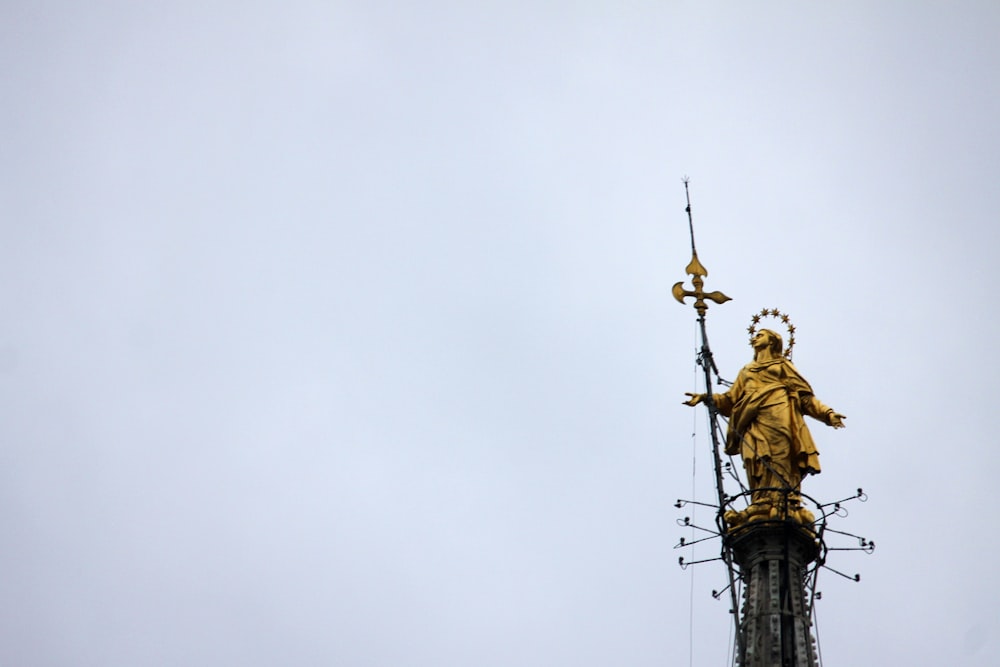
[{"x": 697, "y": 272}]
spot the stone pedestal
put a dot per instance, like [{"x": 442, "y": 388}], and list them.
[{"x": 773, "y": 557}]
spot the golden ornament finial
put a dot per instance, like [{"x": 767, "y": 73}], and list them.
[{"x": 697, "y": 271}]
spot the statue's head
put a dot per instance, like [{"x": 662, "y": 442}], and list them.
[{"x": 769, "y": 340}]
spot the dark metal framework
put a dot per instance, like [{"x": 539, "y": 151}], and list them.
[{"x": 785, "y": 557}]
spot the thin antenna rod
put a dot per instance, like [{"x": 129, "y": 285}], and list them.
[{"x": 687, "y": 196}]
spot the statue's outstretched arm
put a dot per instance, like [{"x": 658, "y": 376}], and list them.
[
  {"x": 836, "y": 420},
  {"x": 815, "y": 409},
  {"x": 723, "y": 401},
  {"x": 693, "y": 399}
]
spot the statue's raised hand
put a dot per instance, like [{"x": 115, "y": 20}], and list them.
[{"x": 837, "y": 420}]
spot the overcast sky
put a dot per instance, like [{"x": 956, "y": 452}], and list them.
[{"x": 341, "y": 333}]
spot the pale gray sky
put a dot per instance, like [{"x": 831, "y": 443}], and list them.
[{"x": 341, "y": 333}]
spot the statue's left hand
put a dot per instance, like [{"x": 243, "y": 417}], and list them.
[{"x": 837, "y": 420}]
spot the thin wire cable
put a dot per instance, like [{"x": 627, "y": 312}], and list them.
[{"x": 694, "y": 510}]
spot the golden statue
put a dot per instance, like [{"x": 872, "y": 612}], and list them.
[{"x": 765, "y": 407}]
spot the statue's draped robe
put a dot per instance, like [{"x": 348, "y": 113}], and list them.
[{"x": 765, "y": 407}]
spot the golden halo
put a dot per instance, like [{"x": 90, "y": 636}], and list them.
[{"x": 774, "y": 312}]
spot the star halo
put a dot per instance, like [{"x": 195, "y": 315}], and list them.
[{"x": 775, "y": 313}]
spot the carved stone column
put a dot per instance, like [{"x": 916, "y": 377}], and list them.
[{"x": 773, "y": 557}]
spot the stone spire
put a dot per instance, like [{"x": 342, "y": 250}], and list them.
[{"x": 775, "y": 623}]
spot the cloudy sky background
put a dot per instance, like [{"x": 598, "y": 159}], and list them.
[{"x": 341, "y": 333}]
